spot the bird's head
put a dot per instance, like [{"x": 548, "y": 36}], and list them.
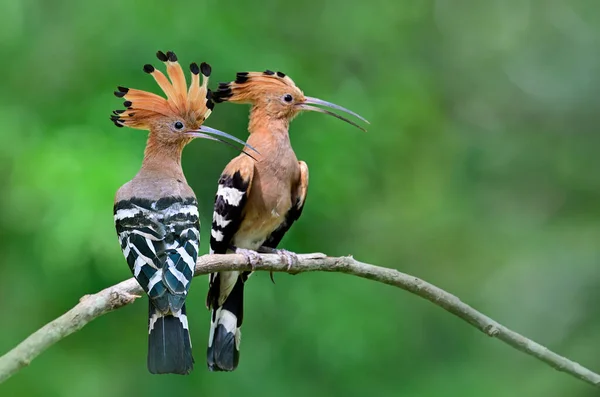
[
  {"x": 177, "y": 119},
  {"x": 276, "y": 95}
]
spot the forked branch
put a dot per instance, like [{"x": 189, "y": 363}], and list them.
[{"x": 124, "y": 293}]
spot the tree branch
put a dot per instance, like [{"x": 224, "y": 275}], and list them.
[{"x": 124, "y": 293}]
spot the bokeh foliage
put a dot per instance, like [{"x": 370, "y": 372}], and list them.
[{"x": 479, "y": 173}]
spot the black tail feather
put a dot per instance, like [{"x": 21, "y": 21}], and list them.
[
  {"x": 223, "y": 353},
  {"x": 169, "y": 345}
]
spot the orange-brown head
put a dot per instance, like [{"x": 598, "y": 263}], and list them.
[
  {"x": 177, "y": 119},
  {"x": 275, "y": 94}
]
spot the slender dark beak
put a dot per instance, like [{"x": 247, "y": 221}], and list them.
[
  {"x": 315, "y": 101},
  {"x": 205, "y": 132}
]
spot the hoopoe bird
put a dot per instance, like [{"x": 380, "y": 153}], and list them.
[
  {"x": 256, "y": 202},
  {"x": 156, "y": 214}
]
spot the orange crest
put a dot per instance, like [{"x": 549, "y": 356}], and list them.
[
  {"x": 142, "y": 107},
  {"x": 249, "y": 86}
]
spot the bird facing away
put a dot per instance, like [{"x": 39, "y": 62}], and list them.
[
  {"x": 156, "y": 214},
  {"x": 256, "y": 202}
]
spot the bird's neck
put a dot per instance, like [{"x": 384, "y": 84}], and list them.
[
  {"x": 163, "y": 158},
  {"x": 262, "y": 121},
  {"x": 277, "y": 160},
  {"x": 269, "y": 135}
]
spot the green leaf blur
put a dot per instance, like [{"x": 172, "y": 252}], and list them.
[{"x": 478, "y": 174}]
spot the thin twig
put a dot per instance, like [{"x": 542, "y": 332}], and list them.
[{"x": 124, "y": 293}]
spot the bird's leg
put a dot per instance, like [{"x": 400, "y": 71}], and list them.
[{"x": 252, "y": 257}]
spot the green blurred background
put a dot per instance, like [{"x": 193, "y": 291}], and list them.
[{"x": 479, "y": 173}]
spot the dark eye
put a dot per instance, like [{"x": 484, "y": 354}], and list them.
[
  {"x": 178, "y": 125},
  {"x": 288, "y": 98}
]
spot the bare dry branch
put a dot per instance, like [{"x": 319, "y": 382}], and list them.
[{"x": 124, "y": 293}]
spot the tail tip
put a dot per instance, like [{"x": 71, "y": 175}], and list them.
[
  {"x": 161, "y": 369},
  {"x": 223, "y": 353},
  {"x": 169, "y": 346}
]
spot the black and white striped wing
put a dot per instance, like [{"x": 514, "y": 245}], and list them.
[
  {"x": 160, "y": 241},
  {"x": 225, "y": 291},
  {"x": 230, "y": 200}
]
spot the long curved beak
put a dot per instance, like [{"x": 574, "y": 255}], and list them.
[
  {"x": 316, "y": 101},
  {"x": 206, "y": 132}
]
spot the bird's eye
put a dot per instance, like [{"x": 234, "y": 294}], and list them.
[
  {"x": 288, "y": 98},
  {"x": 178, "y": 125}
]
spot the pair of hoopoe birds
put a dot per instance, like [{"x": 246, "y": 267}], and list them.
[{"x": 258, "y": 198}]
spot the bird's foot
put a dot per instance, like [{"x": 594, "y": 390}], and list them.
[
  {"x": 289, "y": 257},
  {"x": 252, "y": 257}
]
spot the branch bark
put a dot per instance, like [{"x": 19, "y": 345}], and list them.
[{"x": 126, "y": 292}]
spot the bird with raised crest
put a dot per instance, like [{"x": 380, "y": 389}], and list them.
[
  {"x": 256, "y": 201},
  {"x": 156, "y": 213}
]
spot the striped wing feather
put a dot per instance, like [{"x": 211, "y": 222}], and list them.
[{"x": 160, "y": 242}]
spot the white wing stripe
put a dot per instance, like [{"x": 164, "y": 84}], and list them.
[
  {"x": 216, "y": 234},
  {"x": 186, "y": 257},
  {"x": 194, "y": 230},
  {"x": 178, "y": 275},
  {"x": 195, "y": 245},
  {"x": 126, "y": 251},
  {"x": 157, "y": 277},
  {"x": 145, "y": 235},
  {"x": 190, "y": 210},
  {"x": 182, "y": 318},
  {"x": 153, "y": 319},
  {"x": 231, "y": 195},
  {"x": 220, "y": 220},
  {"x": 137, "y": 266},
  {"x": 127, "y": 213},
  {"x": 227, "y": 319},
  {"x": 150, "y": 245}
]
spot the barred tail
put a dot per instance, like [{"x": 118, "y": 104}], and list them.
[
  {"x": 223, "y": 353},
  {"x": 169, "y": 345}
]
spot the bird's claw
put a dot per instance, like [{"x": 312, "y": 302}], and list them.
[
  {"x": 252, "y": 257},
  {"x": 289, "y": 257}
]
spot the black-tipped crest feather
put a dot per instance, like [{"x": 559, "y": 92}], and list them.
[
  {"x": 161, "y": 56},
  {"x": 171, "y": 56},
  {"x": 206, "y": 69}
]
